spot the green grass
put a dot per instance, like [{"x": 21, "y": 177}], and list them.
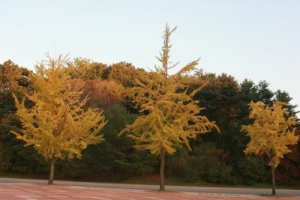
[
  {"x": 154, "y": 180},
  {"x": 24, "y": 176}
]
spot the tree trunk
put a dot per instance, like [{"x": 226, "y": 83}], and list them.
[
  {"x": 162, "y": 170},
  {"x": 273, "y": 181},
  {"x": 51, "y": 176}
]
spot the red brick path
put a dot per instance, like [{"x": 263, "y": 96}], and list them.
[{"x": 26, "y": 191}]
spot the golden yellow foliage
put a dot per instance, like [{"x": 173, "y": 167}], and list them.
[
  {"x": 86, "y": 69},
  {"x": 57, "y": 125},
  {"x": 170, "y": 115},
  {"x": 103, "y": 93},
  {"x": 271, "y": 131}
]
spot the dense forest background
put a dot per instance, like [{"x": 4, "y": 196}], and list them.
[{"x": 215, "y": 157}]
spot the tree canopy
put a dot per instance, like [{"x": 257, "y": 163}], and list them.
[
  {"x": 271, "y": 132},
  {"x": 172, "y": 110},
  {"x": 56, "y": 124},
  {"x": 170, "y": 115}
]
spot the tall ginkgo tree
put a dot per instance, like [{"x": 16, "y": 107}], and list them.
[
  {"x": 52, "y": 115},
  {"x": 270, "y": 133},
  {"x": 170, "y": 116}
]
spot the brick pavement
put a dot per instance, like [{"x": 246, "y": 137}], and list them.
[{"x": 28, "y": 191}]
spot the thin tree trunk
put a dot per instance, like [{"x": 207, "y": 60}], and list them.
[
  {"x": 273, "y": 181},
  {"x": 51, "y": 175},
  {"x": 162, "y": 170}
]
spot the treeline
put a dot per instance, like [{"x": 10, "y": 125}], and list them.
[{"x": 215, "y": 157}]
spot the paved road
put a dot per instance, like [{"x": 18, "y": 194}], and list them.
[
  {"x": 209, "y": 190},
  {"x": 31, "y": 191}
]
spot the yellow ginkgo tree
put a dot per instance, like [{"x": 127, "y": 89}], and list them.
[
  {"x": 52, "y": 114},
  {"x": 270, "y": 133},
  {"x": 170, "y": 116}
]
